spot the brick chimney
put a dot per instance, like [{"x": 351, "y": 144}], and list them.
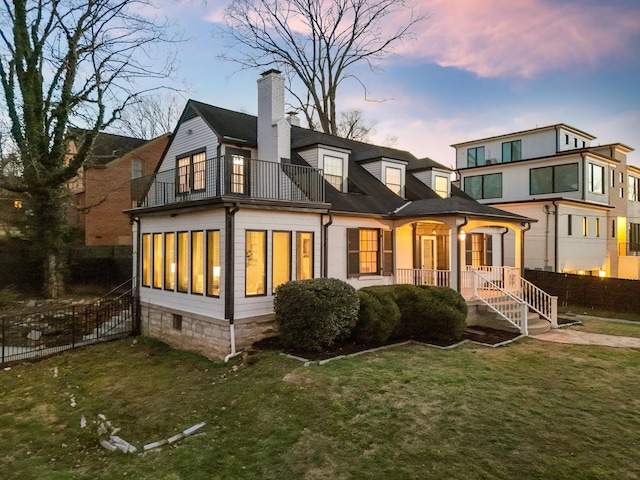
[{"x": 274, "y": 131}]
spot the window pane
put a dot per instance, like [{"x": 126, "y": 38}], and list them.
[
  {"x": 471, "y": 157},
  {"x": 506, "y": 152},
  {"x": 393, "y": 179},
  {"x": 492, "y": 185},
  {"x": 368, "y": 250},
  {"x": 566, "y": 178},
  {"x": 597, "y": 178},
  {"x": 256, "y": 262},
  {"x": 213, "y": 263},
  {"x": 480, "y": 156},
  {"x": 184, "y": 169},
  {"x": 183, "y": 261},
  {"x": 473, "y": 186},
  {"x": 237, "y": 174},
  {"x": 442, "y": 186},
  {"x": 170, "y": 261},
  {"x": 199, "y": 170},
  {"x": 281, "y": 256},
  {"x": 146, "y": 259},
  {"x": 304, "y": 255},
  {"x": 157, "y": 260},
  {"x": 197, "y": 262},
  {"x": 516, "y": 150},
  {"x": 541, "y": 180},
  {"x": 333, "y": 171}
]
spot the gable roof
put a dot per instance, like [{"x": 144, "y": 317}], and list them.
[{"x": 365, "y": 193}]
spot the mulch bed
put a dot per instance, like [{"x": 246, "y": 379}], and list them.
[{"x": 487, "y": 336}]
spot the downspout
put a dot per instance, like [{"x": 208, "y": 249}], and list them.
[
  {"x": 555, "y": 237},
  {"x": 459, "y": 256},
  {"x": 526, "y": 229},
  {"x": 584, "y": 177},
  {"x": 325, "y": 244},
  {"x": 229, "y": 277},
  {"x": 506, "y": 230},
  {"x": 136, "y": 298}
]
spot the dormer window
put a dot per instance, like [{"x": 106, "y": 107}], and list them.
[
  {"x": 393, "y": 180},
  {"x": 441, "y": 186},
  {"x": 333, "y": 171}
]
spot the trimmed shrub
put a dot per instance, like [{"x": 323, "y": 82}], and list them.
[
  {"x": 430, "y": 313},
  {"x": 378, "y": 316},
  {"x": 314, "y": 314}
]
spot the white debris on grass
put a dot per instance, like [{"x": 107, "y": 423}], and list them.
[
  {"x": 72, "y": 401},
  {"x": 55, "y": 372},
  {"x": 83, "y": 422},
  {"x": 174, "y": 438}
]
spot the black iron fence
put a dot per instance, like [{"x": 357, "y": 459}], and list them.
[
  {"x": 229, "y": 175},
  {"x": 46, "y": 332}
]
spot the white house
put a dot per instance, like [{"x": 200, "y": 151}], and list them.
[
  {"x": 584, "y": 197},
  {"x": 240, "y": 205}
]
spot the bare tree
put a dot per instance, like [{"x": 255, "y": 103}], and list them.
[
  {"x": 316, "y": 43},
  {"x": 150, "y": 116},
  {"x": 353, "y": 125},
  {"x": 67, "y": 63}
]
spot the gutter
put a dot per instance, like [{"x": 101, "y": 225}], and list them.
[
  {"x": 325, "y": 244},
  {"x": 229, "y": 277}
]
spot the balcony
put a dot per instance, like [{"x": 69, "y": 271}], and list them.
[{"x": 229, "y": 176}]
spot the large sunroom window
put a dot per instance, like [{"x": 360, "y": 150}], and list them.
[
  {"x": 304, "y": 255},
  {"x": 255, "y": 262}
]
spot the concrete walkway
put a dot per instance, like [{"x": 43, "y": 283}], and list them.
[{"x": 561, "y": 335}]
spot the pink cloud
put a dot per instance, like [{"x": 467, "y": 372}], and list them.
[{"x": 496, "y": 38}]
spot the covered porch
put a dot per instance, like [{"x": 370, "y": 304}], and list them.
[{"x": 473, "y": 257}]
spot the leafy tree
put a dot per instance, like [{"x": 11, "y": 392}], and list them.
[
  {"x": 316, "y": 43},
  {"x": 67, "y": 63}
]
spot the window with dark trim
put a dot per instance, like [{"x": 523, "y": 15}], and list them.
[
  {"x": 213, "y": 263},
  {"x": 255, "y": 262},
  {"x": 170, "y": 261},
  {"x": 197, "y": 262},
  {"x": 484, "y": 186},
  {"x": 146, "y": 259},
  {"x": 157, "y": 260},
  {"x": 177, "y": 322},
  {"x": 182, "y": 269},
  {"x": 304, "y": 255},
  {"x": 634, "y": 237},
  {"x": 585, "y": 226},
  {"x": 475, "y": 157},
  {"x": 512, "y": 151},
  {"x": 281, "y": 259},
  {"x": 478, "y": 250},
  {"x": 569, "y": 224},
  {"x": 554, "y": 179},
  {"x": 191, "y": 172},
  {"x": 369, "y": 252}
]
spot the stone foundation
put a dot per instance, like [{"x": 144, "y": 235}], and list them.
[{"x": 206, "y": 335}]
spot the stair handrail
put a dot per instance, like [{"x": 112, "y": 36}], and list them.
[
  {"x": 540, "y": 301},
  {"x": 516, "y": 316}
]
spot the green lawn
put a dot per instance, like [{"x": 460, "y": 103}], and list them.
[{"x": 528, "y": 410}]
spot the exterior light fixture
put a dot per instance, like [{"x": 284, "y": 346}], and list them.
[
  {"x": 463, "y": 235},
  {"x": 602, "y": 273}
]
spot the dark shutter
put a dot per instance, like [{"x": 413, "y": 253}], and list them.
[
  {"x": 353, "y": 252},
  {"x": 387, "y": 252},
  {"x": 488, "y": 242},
  {"x": 468, "y": 246}
]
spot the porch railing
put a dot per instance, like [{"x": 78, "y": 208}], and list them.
[
  {"x": 229, "y": 176},
  {"x": 416, "y": 276}
]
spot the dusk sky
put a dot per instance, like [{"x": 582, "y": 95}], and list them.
[{"x": 477, "y": 69}]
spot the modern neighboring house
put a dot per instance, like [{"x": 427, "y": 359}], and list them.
[
  {"x": 586, "y": 198},
  {"x": 102, "y": 188},
  {"x": 241, "y": 204}
]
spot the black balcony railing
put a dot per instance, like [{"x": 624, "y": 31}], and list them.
[{"x": 229, "y": 176}]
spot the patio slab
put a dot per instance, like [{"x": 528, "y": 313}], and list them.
[{"x": 586, "y": 338}]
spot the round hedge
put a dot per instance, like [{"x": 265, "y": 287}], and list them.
[
  {"x": 314, "y": 314},
  {"x": 378, "y": 316}
]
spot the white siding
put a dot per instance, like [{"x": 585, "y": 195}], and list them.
[
  {"x": 337, "y": 250},
  {"x": 199, "y": 304},
  {"x": 201, "y": 136},
  {"x": 249, "y": 219},
  {"x": 310, "y": 156}
]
